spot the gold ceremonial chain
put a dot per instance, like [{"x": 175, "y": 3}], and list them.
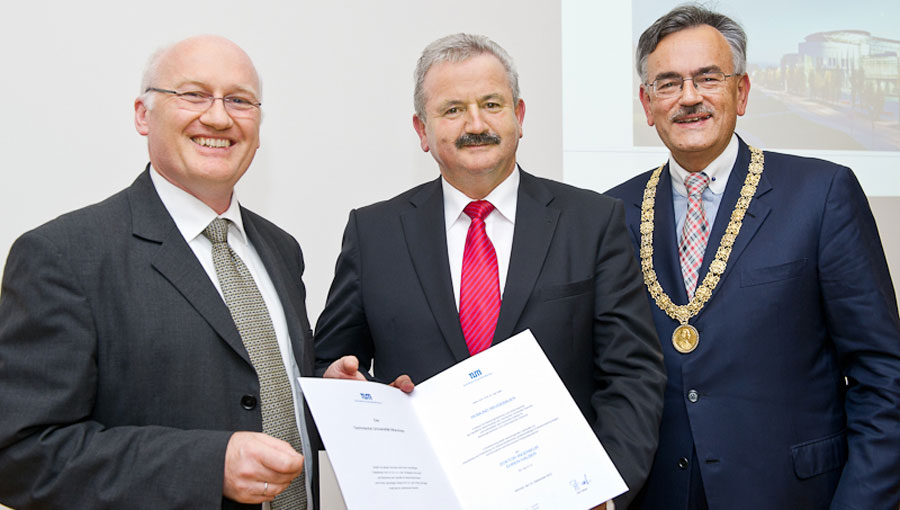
[{"x": 685, "y": 338}]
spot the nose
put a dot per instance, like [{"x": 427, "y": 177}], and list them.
[
  {"x": 216, "y": 116},
  {"x": 689, "y": 93},
  {"x": 475, "y": 122}
]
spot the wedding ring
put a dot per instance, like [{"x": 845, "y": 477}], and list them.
[{"x": 265, "y": 488}]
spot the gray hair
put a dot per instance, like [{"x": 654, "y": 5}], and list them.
[
  {"x": 456, "y": 48},
  {"x": 689, "y": 16},
  {"x": 151, "y": 70}
]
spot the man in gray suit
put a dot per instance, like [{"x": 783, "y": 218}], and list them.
[{"x": 128, "y": 362}]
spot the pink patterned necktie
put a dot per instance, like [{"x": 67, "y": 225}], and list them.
[
  {"x": 695, "y": 233},
  {"x": 479, "y": 290}
]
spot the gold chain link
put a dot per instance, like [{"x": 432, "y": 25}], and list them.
[{"x": 682, "y": 313}]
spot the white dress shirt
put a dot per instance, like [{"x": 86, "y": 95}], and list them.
[
  {"x": 499, "y": 226},
  {"x": 192, "y": 216}
]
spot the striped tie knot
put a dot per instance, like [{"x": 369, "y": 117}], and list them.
[
  {"x": 217, "y": 231},
  {"x": 696, "y": 183},
  {"x": 479, "y": 209}
]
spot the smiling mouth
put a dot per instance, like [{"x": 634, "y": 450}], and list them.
[
  {"x": 217, "y": 143},
  {"x": 693, "y": 120}
]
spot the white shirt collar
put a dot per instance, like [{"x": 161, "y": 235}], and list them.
[
  {"x": 503, "y": 197},
  {"x": 190, "y": 214},
  {"x": 717, "y": 171}
]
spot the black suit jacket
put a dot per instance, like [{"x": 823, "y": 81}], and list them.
[
  {"x": 122, "y": 373},
  {"x": 572, "y": 280}
]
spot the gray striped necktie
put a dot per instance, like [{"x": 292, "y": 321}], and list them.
[{"x": 255, "y": 326}]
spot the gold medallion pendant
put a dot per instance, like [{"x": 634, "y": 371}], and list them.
[{"x": 685, "y": 338}]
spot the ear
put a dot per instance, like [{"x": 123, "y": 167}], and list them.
[
  {"x": 645, "y": 102},
  {"x": 419, "y": 126},
  {"x": 140, "y": 117},
  {"x": 520, "y": 115},
  {"x": 743, "y": 94}
]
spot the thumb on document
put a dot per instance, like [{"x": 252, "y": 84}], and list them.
[{"x": 346, "y": 367}]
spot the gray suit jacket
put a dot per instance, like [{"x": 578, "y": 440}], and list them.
[
  {"x": 573, "y": 280},
  {"x": 122, "y": 374}
]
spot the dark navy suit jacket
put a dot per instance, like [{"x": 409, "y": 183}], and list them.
[{"x": 792, "y": 398}]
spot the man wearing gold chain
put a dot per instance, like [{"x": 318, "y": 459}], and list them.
[{"x": 771, "y": 296}]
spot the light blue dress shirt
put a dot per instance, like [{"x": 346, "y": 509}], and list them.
[{"x": 718, "y": 172}]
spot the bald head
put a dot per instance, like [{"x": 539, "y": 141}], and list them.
[
  {"x": 202, "y": 147},
  {"x": 170, "y": 57}
]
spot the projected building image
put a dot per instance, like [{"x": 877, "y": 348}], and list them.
[{"x": 828, "y": 90}]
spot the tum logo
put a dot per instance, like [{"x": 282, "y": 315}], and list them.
[
  {"x": 366, "y": 396},
  {"x": 473, "y": 375}
]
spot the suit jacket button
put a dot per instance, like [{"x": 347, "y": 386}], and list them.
[
  {"x": 248, "y": 402},
  {"x": 682, "y": 463},
  {"x": 693, "y": 396}
]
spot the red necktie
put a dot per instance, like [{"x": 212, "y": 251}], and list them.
[
  {"x": 695, "y": 233},
  {"x": 479, "y": 290}
]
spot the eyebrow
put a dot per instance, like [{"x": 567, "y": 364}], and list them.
[
  {"x": 200, "y": 84},
  {"x": 708, "y": 69},
  {"x": 448, "y": 103},
  {"x": 702, "y": 70},
  {"x": 667, "y": 74},
  {"x": 495, "y": 96}
]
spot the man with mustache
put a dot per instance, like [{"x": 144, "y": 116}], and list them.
[
  {"x": 771, "y": 296},
  {"x": 446, "y": 269}
]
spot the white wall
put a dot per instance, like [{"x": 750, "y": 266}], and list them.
[
  {"x": 337, "y": 132},
  {"x": 337, "y": 78},
  {"x": 337, "y": 129}
]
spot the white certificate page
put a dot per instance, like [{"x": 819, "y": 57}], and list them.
[
  {"x": 496, "y": 431},
  {"x": 381, "y": 457}
]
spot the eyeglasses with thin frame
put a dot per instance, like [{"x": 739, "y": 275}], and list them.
[
  {"x": 672, "y": 86},
  {"x": 198, "y": 101}
]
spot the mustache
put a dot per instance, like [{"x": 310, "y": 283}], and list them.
[
  {"x": 469, "y": 139},
  {"x": 694, "y": 109}
]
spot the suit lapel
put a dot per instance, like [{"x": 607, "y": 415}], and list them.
[
  {"x": 176, "y": 261},
  {"x": 426, "y": 241},
  {"x": 756, "y": 215},
  {"x": 535, "y": 223},
  {"x": 285, "y": 286},
  {"x": 666, "y": 259}
]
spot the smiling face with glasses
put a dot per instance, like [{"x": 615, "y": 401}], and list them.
[
  {"x": 201, "y": 117},
  {"x": 706, "y": 81},
  {"x": 692, "y": 97}
]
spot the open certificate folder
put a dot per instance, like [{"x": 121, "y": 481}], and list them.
[{"x": 496, "y": 431}]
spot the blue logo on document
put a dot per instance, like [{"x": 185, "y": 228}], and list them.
[
  {"x": 366, "y": 398},
  {"x": 475, "y": 374}
]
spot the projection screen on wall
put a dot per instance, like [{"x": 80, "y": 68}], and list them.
[{"x": 824, "y": 80}]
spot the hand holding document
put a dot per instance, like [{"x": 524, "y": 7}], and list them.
[{"x": 496, "y": 431}]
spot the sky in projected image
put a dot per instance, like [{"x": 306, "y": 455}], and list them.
[{"x": 824, "y": 75}]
